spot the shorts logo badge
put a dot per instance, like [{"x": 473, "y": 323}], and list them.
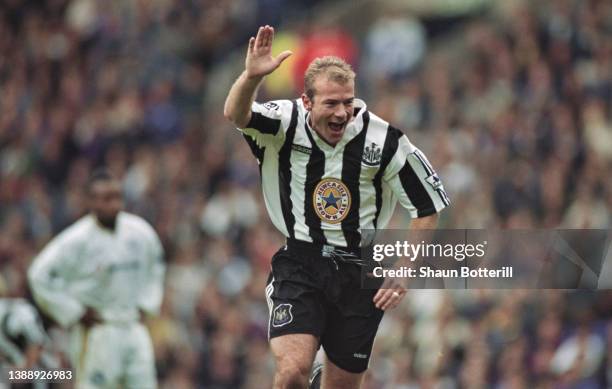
[
  {"x": 282, "y": 315},
  {"x": 331, "y": 200}
]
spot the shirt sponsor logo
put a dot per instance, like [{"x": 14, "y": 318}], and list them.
[
  {"x": 301, "y": 149},
  {"x": 360, "y": 356},
  {"x": 331, "y": 200}
]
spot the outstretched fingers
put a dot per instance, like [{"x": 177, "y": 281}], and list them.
[
  {"x": 267, "y": 34},
  {"x": 259, "y": 60},
  {"x": 270, "y": 36},
  {"x": 251, "y": 44},
  {"x": 259, "y": 37},
  {"x": 283, "y": 56}
]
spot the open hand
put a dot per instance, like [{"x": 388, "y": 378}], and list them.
[{"x": 259, "y": 60}]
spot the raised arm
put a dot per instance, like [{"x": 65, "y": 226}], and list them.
[{"x": 259, "y": 62}]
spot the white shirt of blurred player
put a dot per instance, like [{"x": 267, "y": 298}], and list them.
[
  {"x": 19, "y": 319},
  {"x": 117, "y": 273}
]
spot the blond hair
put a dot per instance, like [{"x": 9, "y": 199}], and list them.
[{"x": 336, "y": 69}]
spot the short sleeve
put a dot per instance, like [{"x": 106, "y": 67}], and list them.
[
  {"x": 269, "y": 122},
  {"x": 414, "y": 181}
]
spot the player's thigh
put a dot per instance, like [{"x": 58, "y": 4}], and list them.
[
  {"x": 140, "y": 359},
  {"x": 335, "y": 377},
  {"x": 294, "y": 295},
  {"x": 294, "y": 352},
  {"x": 350, "y": 331},
  {"x": 98, "y": 359}
]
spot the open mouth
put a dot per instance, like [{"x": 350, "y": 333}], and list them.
[{"x": 336, "y": 127}]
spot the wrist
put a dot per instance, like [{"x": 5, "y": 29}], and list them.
[{"x": 254, "y": 79}]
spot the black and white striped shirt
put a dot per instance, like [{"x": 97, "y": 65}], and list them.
[
  {"x": 318, "y": 193},
  {"x": 20, "y": 327}
]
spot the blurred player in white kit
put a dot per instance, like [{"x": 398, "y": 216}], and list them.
[
  {"x": 98, "y": 278},
  {"x": 23, "y": 339},
  {"x": 21, "y": 333}
]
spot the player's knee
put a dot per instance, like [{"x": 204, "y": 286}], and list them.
[
  {"x": 291, "y": 375},
  {"x": 290, "y": 380}
]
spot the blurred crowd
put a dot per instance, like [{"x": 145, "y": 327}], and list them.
[{"x": 513, "y": 108}]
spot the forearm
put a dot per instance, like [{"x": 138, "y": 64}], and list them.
[
  {"x": 392, "y": 290},
  {"x": 240, "y": 99},
  {"x": 425, "y": 223}
]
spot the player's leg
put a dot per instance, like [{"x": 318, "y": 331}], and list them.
[
  {"x": 294, "y": 355},
  {"x": 352, "y": 323},
  {"x": 297, "y": 317},
  {"x": 336, "y": 378},
  {"x": 140, "y": 362},
  {"x": 97, "y": 359}
]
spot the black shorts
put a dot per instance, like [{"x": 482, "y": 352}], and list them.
[{"x": 311, "y": 294}]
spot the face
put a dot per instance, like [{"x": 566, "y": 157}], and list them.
[
  {"x": 331, "y": 108},
  {"x": 106, "y": 201}
]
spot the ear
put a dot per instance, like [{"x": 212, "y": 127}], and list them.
[{"x": 307, "y": 102}]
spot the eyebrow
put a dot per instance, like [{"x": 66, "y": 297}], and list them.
[{"x": 327, "y": 101}]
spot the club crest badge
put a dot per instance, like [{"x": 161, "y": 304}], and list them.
[
  {"x": 331, "y": 200},
  {"x": 372, "y": 155},
  {"x": 282, "y": 315}
]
